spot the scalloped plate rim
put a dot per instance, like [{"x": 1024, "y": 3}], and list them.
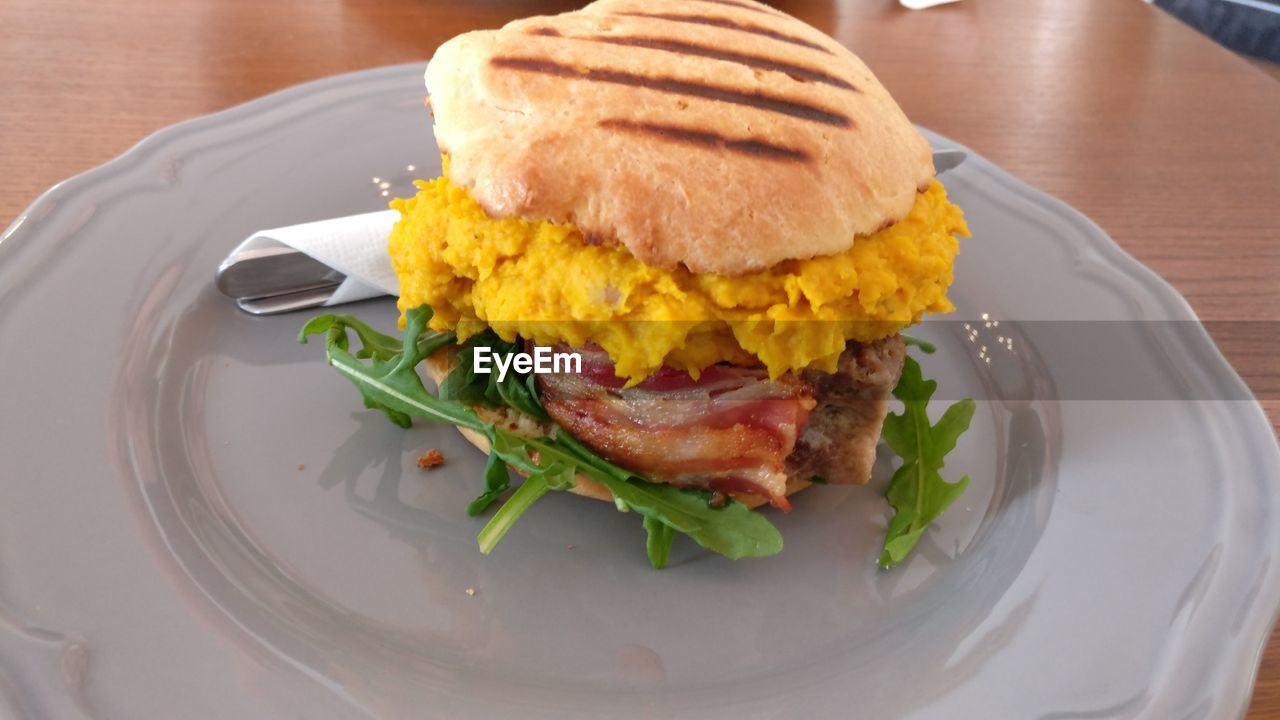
[{"x": 1265, "y": 610}]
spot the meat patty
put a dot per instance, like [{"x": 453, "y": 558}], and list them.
[{"x": 838, "y": 444}]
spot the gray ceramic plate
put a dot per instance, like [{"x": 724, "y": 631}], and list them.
[{"x": 198, "y": 520}]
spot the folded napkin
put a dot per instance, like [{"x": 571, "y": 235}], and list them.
[{"x": 355, "y": 246}]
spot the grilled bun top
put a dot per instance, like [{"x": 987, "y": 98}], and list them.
[{"x": 723, "y": 135}]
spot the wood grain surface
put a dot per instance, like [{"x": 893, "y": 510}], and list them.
[{"x": 1169, "y": 142}]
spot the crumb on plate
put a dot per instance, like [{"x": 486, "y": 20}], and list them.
[{"x": 432, "y": 458}]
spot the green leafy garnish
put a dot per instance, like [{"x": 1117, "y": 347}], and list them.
[
  {"x": 467, "y": 386},
  {"x": 389, "y": 382},
  {"x": 496, "y": 482},
  {"x": 658, "y": 543},
  {"x": 555, "y": 477},
  {"x": 925, "y": 346},
  {"x": 384, "y": 369},
  {"x": 917, "y": 491},
  {"x": 375, "y": 344},
  {"x": 733, "y": 530}
]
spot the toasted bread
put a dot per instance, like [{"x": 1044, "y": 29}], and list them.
[{"x": 722, "y": 135}]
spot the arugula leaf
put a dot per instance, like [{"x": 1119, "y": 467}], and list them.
[
  {"x": 521, "y": 393},
  {"x": 733, "y": 530},
  {"x": 917, "y": 492},
  {"x": 496, "y": 482},
  {"x": 462, "y": 384},
  {"x": 554, "y": 477},
  {"x": 925, "y": 346},
  {"x": 375, "y": 344},
  {"x": 390, "y": 383},
  {"x": 515, "y": 390},
  {"x": 658, "y": 542}
]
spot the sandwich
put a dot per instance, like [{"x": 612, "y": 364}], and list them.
[{"x": 717, "y": 211}]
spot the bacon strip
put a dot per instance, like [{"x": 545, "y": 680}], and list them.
[{"x": 730, "y": 430}]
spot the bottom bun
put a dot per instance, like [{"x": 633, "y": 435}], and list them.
[{"x": 438, "y": 365}]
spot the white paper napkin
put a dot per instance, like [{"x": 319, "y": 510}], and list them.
[{"x": 355, "y": 245}]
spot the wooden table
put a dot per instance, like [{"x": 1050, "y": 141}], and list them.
[{"x": 1165, "y": 139}]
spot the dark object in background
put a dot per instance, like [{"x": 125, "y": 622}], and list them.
[{"x": 1251, "y": 27}]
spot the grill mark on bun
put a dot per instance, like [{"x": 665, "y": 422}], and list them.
[
  {"x": 547, "y": 31},
  {"x": 754, "y": 147},
  {"x": 680, "y": 47},
  {"x": 675, "y": 86},
  {"x": 728, "y": 24}
]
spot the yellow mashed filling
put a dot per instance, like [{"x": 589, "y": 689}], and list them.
[{"x": 541, "y": 281}]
